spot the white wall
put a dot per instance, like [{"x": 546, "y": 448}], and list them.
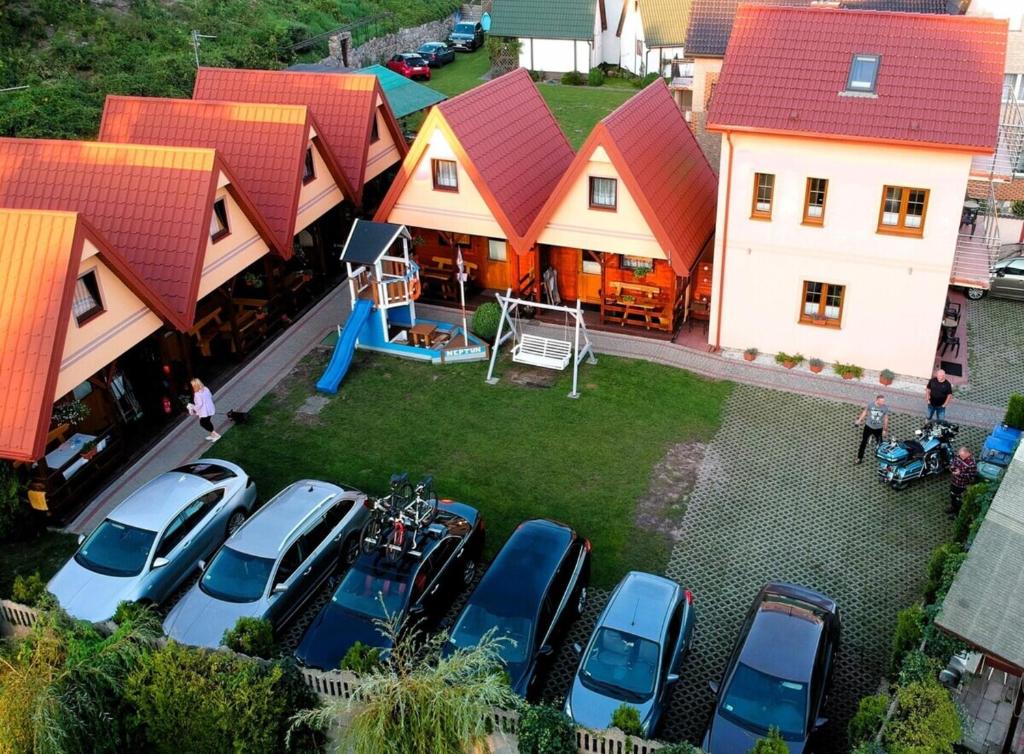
[
  {"x": 557, "y": 55},
  {"x": 895, "y": 286}
]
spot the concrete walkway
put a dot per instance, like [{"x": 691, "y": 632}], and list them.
[{"x": 185, "y": 441}]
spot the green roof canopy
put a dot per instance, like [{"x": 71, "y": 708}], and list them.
[
  {"x": 405, "y": 96},
  {"x": 543, "y": 19}
]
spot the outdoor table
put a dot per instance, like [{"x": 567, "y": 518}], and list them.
[
  {"x": 67, "y": 450},
  {"x": 421, "y": 335}
]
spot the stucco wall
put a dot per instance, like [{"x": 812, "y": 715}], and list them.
[
  {"x": 319, "y": 195},
  {"x": 382, "y": 153},
  {"x": 556, "y": 55},
  {"x": 701, "y": 68},
  {"x": 458, "y": 212},
  {"x": 576, "y": 225},
  {"x": 233, "y": 253},
  {"x": 895, "y": 286},
  {"x": 125, "y": 321}
]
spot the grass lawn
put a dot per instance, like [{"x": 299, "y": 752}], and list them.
[
  {"x": 46, "y": 554},
  {"x": 515, "y": 452}
]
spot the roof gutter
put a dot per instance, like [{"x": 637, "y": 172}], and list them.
[{"x": 725, "y": 247}]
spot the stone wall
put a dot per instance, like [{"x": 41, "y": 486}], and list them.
[{"x": 379, "y": 49}]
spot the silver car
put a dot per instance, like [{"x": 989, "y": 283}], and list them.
[
  {"x": 274, "y": 563},
  {"x": 154, "y": 540},
  {"x": 1007, "y": 276}
]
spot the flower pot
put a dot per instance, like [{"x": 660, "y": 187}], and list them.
[
  {"x": 789, "y": 364},
  {"x": 749, "y": 356},
  {"x": 816, "y": 369},
  {"x": 885, "y": 380},
  {"x": 88, "y": 455},
  {"x": 848, "y": 375}
]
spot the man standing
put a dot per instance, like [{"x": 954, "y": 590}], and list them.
[
  {"x": 963, "y": 472},
  {"x": 938, "y": 393},
  {"x": 875, "y": 418}
]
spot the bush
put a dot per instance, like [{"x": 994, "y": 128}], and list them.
[
  {"x": 646, "y": 80},
  {"x": 1017, "y": 208},
  {"x": 918, "y": 667},
  {"x": 936, "y": 563},
  {"x": 869, "y": 747},
  {"x": 536, "y": 75},
  {"x": 217, "y": 701},
  {"x": 1015, "y": 412},
  {"x": 926, "y": 721},
  {"x": 251, "y": 636},
  {"x": 626, "y": 718},
  {"x": 680, "y": 748},
  {"x": 572, "y": 78},
  {"x": 595, "y": 77},
  {"x": 13, "y": 511},
  {"x": 28, "y": 590},
  {"x": 907, "y": 636},
  {"x": 971, "y": 504},
  {"x": 546, "y": 730},
  {"x": 485, "y": 321},
  {"x": 868, "y": 719},
  {"x": 771, "y": 744},
  {"x": 361, "y": 658},
  {"x": 134, "y": 613}
]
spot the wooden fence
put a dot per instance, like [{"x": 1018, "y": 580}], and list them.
[{"x": 342, "y": 685}]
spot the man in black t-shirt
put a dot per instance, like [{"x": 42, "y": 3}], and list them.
[{"x": 938, "y": 393}]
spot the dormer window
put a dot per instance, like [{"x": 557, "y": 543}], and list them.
[
  {"x": 308, "y": 167},
  {"x": 863, "y": 74},
  {"x": 219, "y": 221},
  {"x": 87, "y": 302}
]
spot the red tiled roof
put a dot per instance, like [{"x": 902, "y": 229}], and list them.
[
  {"x": 265, "y": 144},
  {"x": 659, "y": 160},
  {"x": 152, "y": 203},
  {"x": 1012, "y": 191},
  {"x": 939, "y": 80},
  {"x": 343, "y": 104}
]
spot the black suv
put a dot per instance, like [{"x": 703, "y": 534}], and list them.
[
  {"x": 779, "y": 673},
  {"x": 466, "y": 36},
  {"x": 419, "y": 585},
  {"x": 536, "y": 584}
]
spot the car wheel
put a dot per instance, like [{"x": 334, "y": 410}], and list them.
[
  {"x": 468, "y": 572},
  {"x": 235, "y": 521},
  {"x": 581, "y": 601},
  {"x": 350, "y": 550},
  {"x": 976, "y": 294},
  {"x": 898, "y": 485},
  {"x": 369, "y": 538}
]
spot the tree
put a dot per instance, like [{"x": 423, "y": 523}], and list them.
[
  {"x": 420, "y": 700},
  {"x": 925, "y": 722},
  {"x": 771, "y": 744}
]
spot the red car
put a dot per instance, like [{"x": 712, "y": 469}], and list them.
[{"x": 410, "y": 65}]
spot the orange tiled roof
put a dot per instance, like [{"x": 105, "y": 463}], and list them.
[
  {"x": 264, "y": 144},
  {"x": 1012, "y": 191},
  {"x": 344, "y": 105}
]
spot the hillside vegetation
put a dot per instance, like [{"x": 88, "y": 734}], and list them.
[{"x": 72, "y": 53}]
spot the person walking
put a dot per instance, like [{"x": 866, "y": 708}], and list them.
[
  {"x": 875, "y": 418},
  {"x": 202, "y": 406},
  {"x": 963, "y": 471},
  {"x": 938, "y": 393}
]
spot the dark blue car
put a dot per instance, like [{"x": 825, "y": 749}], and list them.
[
  {"x": 417, "y": 586},
  {"x": 779, "y": 674},
  {"x": 535, "y": 586}
]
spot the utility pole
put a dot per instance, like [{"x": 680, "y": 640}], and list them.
[{"x": 196, "y": 37}]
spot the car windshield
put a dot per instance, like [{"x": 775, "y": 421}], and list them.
[
  {"x": 235, "y": 576},
  {"x": 477, "y": 620},
  {"x": 116, "y": 549},
  {"x": 760, "y": 701},
  {"x": 622, "y": 664},
  {"x": 464, "y": 28},
  {"x": 372, "y": 592},
  {"x": 416, "y": 61}
]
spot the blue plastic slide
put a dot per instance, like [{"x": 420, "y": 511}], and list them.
[{"x": 342, "y": 356}]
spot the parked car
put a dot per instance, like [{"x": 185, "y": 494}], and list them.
[
  {"x": 273, "y": 563},
  {"x": 1007, "y": 276},
  {"x": 436, "y": 54},
  {"x": 153, "y": 541},
  {"x": 466, "y": 36},
  {"x": 418, "y": 586},
  {"x": 410, "y": 65},
  {"x": 779, "y": 674},
  {"x": 536, "y": 584},
  {"x": 635, "y": 652}
]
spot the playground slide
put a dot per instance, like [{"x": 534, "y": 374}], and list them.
[{"x": 343, "y": 351}]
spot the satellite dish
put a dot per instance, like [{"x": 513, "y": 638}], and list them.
[{"x": 485, "y": 21}]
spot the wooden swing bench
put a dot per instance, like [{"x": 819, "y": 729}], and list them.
[{"x": 539, "y": 351}]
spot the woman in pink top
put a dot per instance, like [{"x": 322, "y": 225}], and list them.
[{"x": 202, "y": 406}]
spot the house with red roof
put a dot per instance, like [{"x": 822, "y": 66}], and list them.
[
  {"x": 476, "y": 177},
  {"x": 630, "y": 220},
  {"x": 842, "y": 179}
]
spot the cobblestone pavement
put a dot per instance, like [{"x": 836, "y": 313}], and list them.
[{"x": 995, "y": 337}]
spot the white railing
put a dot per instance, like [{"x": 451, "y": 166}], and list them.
[
  {"x": 1006, "y": 160},
  {"x": 972, "y": 261}
]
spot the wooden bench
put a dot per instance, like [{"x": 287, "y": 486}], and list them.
[
  {"x": 636, "y": 304},
  {"x": 539, "y": 351}
]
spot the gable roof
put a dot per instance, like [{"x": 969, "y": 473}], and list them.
[
  {"x": 543, "y": 19},
  {"x": 40, "y": 254},
  {"x": 508, "y": 142},
  {"x": 152, "y": 204},
  {"x": 662, "y": 166},
  {"x": 404, "y": 96},
  {"x": 665, "y": 22},
  {"x": 344, "y": 105},
  {"x": 809, "y": 52},
  {"x": 711, "y": 21}
]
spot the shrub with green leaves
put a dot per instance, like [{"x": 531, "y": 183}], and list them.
[
  {"x": 1015, "y": 412},
  {"x": 868, "y": 719},
  {"x": 546, "y": 730},
  {"x": 572, "y": 78},
  {"x": 361, "y": 658},
  {"x": 28, "y": 590},
  {"x": 771, "y": 744},
  {"x": 626, "y": 718},
  {"x": 595, "y": 77},
  {"x": 936, "y": 563},
  {"x": 647, "y": 80},
  {"x": 681, "y": 748},
  {"x": 134, "y": 612},
  {"x": 975, "y": 497},
  {"x": 869, "y": 747},
  {"x": 906, "y": 636},
  {"x": 1017, "y": 208},
  {"x": 485, "y": 320},
  {"x": 13, "y": 510},
  {"x": 918, "y": 667},
  {"x": 251, "y": 636},
  {"x": 925, "y": 722}
]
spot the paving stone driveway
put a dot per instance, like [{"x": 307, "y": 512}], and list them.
[{"x": 996, "y": 341}]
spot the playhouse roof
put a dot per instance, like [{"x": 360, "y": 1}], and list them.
[{"x": 368, "y": 241}]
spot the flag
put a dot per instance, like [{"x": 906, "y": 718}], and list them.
[{"x": 461, "y": 265}]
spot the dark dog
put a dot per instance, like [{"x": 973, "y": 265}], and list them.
[{"x": 238, "y": 417}]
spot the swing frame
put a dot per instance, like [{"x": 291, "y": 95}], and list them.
[{"x": 581, "y": 345}]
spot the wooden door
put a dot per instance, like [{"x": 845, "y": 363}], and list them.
[
  {"x": 589, "y": 285},
  {"x": 494, "y": 273}
]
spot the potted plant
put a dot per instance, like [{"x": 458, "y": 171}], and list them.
[
  {"x": 886, "y": 376},
  {"x": 262, "y": 312},
  {"x": 89, "y": 450},
  {"x": 848, "y": 371},
  {"x": 68, "y": 412},
  {"x": 816, "y": 365},
  {"x": 253, "y": 280},
  {"x": 788, "y": 360},
  {"x": 750, "y": 354},
  {"x": 641, "y": 272}
]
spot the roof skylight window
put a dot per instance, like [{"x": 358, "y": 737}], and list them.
[{"x": 863, "y": 73}]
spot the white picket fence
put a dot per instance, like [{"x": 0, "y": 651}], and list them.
[{"x": 342, "y": 685}]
